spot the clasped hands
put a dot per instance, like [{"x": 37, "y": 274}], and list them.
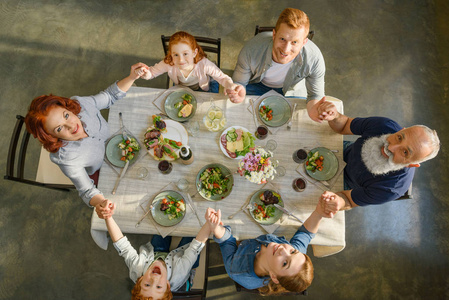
[{"x": 105, "y": 209}]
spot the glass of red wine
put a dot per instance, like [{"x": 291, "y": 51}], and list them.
[
  {"x": 165, "y": 166},
  {"x": 261, "y": 132},
  {"x": 299, "y": 184},
  {"x": 299, "y": 156}
]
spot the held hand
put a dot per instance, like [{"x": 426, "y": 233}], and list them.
[
  {"x": 213, "y": 218},
  {"x": 105, "y": 209},
  {"x": 312, "y": 109},
  {"x": 237, "y": 94},
  {"x": 327, "y": 111},
  {"x": 331, "y": 203},
  {"x": 138, "y": 70}
]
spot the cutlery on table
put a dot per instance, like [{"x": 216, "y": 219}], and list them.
[
  {"x": 287, "y": 212},
  {"x": 120, "y": 177},
  {"x": 143, "y": 217},
  {"x": 254, "y": 112},
  {"x": 125, "y": 136},
  {"x": 289, "y": 124}
]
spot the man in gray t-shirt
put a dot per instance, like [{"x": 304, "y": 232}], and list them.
[{"x": 284, "y": 61}]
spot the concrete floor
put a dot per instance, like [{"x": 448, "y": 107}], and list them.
[{"x": 385, "y": 58}]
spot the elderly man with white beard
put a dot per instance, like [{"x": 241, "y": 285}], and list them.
[{"x": 381, "y": 163}]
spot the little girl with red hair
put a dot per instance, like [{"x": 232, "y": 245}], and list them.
[{"x": 186, "y": 64}]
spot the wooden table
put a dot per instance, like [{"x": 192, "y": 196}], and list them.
[{"x": 137, "y": 109}]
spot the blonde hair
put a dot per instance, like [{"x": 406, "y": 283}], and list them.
[
  {"x": 135, "y": 292},
  {"x": 294, "y": 18},
  {"x": 296, "y": 283},
  {"x": 186, "y": 38}
]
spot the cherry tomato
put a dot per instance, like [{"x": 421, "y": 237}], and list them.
[{"x": 178, "y": 143}]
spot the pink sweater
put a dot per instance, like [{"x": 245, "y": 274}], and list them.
[{"x": 203, "y": 69}]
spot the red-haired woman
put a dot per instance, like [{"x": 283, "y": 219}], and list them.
[
  {"x": 187, "y": 65},
  {"x": 74, "y": 132}
]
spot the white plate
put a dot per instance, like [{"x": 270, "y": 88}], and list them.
[
  {"x": 226, "y": 131},
  {"x": 176, "y": 132}
]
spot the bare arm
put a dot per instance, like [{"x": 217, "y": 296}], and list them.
[
  {"x": 338, "y": 122},
  {"x": 203, "y": 234},
  {"x": 114, "y": 230},
  {"x": 127, "y": 82}
]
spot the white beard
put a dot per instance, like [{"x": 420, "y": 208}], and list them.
[{"x": 373, "y": 159}]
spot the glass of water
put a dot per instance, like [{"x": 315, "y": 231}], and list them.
[
  {"x": 280, "y": 172},
  {"x": 193, "y": 127},
  {"x": 142, "y": 173},
  {"x": 183, "y": 184},
  {"x": 271, "y": 145}
]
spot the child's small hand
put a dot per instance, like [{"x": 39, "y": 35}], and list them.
[{"x": 105, "y": 209}]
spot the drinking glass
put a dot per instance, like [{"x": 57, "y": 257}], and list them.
[
  {"x": 280, "y": 172},
  {"x": 165, "y": 166},
  {"x": 193, "y": 127},
  {"x": 142, "y": 173},
  {"x": 183, "y": 184},
  {"x": 271, "y": 145},
  {"x": 299, "y": 184},
  {"x": 261, "y": 132},
  {"x": 299, "y": 156}
]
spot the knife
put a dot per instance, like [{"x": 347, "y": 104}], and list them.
[
  {"x": 121, "y": 176},
  {"x": 287, "y": 212}
]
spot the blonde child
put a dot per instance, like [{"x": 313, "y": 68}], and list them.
[
  {"x": 268, "y": 263},
  {"x": 155, "y": 271},
  {"x": 187, "y": 65}
]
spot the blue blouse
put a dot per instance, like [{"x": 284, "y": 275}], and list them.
[{"x": 239, "y": 260}]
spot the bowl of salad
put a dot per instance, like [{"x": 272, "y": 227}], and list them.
[
  {"x": 262, "y": 209},
  {"x": 168, "y": 208},
  {"x": 214, "y": 182}
]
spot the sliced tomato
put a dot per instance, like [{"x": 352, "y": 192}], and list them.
[
  {"x": 164, "y": 200},
  {"x": 127, "y": 141},
  {"x": 123, "y": 158},
  {"x": 216, "y": 185}
]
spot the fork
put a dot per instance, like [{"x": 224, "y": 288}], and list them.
[{"x": 289, "y": 124}]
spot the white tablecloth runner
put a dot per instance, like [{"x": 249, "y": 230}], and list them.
[{"x": 137, "y": 109}]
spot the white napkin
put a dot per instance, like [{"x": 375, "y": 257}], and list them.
[
  {"x": 163, "y": 230},
  {"x": 159, "y": 102},
  {"x": 257, "y": 101}
]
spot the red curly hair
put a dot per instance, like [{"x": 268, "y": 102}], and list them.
[
  {"x": 135, "y": 293},
  {"x": 37, "y": 114},
  {"x": 186, "y": 38}
]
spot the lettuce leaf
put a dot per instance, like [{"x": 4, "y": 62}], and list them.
[{"x": 248, "y": 142}]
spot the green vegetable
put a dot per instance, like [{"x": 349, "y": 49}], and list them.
[{"x": 187, "y": 97}]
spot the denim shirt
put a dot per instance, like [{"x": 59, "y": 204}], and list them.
[
  {"x": 239, "y": 260},
  {"x": 79, "y": 159},
  {"x": 256, "y": 58}
]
